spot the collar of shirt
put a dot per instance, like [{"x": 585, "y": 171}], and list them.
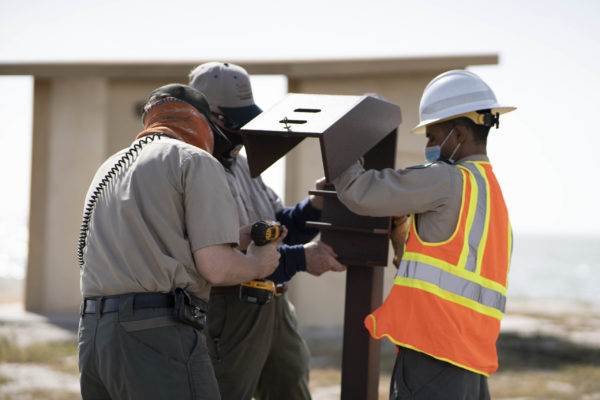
[{"x": 474, "y": 157}]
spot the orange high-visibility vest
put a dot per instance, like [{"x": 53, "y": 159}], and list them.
[{"x": 448, "y": 298}]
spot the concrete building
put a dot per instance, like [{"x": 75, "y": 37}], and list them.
[{"x": 83, "y": 112}]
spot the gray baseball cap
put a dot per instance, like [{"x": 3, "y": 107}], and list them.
[{"x": 226, "y": 86}]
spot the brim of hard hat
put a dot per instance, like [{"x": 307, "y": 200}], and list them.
[
  {"x": 240, "y": 116},
  {"x": 422, "y": 127}
]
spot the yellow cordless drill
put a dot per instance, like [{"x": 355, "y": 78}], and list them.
[{"x": 260, "y": 291}]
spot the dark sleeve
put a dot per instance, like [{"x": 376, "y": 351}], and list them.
[
  {"x": 294, "y": 219},
  {"x": 291, "y": 261}
]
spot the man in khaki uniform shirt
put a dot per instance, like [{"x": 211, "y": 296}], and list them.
[
  {"x": 164, "y": 219},
  {"x": 257, "y": 351}
]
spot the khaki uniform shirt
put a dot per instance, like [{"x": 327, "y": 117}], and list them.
[
  {"x": 255, "y": 201},
  {"x": 171, "y": 200},
  {"x": 434, "y": 193}
]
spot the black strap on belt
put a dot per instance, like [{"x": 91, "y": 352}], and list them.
[{"x": 140, "y": 300}]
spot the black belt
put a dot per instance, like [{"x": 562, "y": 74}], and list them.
[
  {"x": 280, "y": 288},
  {"x": 140, "y": 300},
  {"x": 225, "y": 289}
]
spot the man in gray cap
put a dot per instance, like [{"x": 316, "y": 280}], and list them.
[
  {"x": 157, "y": 233},
  {"x": 257, "y": 350}
]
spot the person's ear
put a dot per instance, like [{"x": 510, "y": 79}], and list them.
[{"x": 462, "y": 133}]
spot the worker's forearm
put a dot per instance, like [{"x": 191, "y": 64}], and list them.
[
  {"x": 222, "y": 265},
  {"x": 389, "y": 192},
  {"x": 363, "y": 193}
]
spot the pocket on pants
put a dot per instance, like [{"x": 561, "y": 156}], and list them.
[
  {"x": 176, "y": 341},
  {"x": 203, "y": 380},
  {"x": 150, "y": 365},
  {"x": 215, "y": 325}
]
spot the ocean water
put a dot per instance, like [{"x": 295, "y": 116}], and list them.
[{"x": 557, "y": 267}]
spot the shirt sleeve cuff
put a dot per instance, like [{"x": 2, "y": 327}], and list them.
[
  {"x": 307, "y": 212},
  {"x": 291, "y": 261}
]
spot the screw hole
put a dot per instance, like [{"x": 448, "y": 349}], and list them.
[{"x": 307, "y": 110}]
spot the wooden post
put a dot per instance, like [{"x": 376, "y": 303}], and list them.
[
  {"x": 361, "y": 354},
  {"x": 364, "y": 293}
]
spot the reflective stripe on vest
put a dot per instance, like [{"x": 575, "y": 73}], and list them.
[{"x": 448, "y": 298}]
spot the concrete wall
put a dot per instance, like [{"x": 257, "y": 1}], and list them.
[
  {"x": 125, "y": 98},
  {"x": 78, "y": 123},
  {"x": 69, "y": 134}
]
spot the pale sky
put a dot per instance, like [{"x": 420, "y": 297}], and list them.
[{"x": 544, "y": 154}]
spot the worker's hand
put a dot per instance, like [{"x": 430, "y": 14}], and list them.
[
  {"x": 317, "y": 201},
  {"x": 266, "y": 257},
  {"x": 245, "y": 237},
  {"x": 321, "y": 258},
  {"x": 398, "y": 236}
]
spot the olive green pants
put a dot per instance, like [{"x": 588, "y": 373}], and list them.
[
  {"x": 257, "y": 350},
  {"x": 418, "y": 376},
  {"x": 143, "y": 354}
]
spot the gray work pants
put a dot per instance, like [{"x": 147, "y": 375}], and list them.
[
  {"x": 257, "y": 350},
  {"x": 143, "y": 354},
  {"x": 418, "y": 376}
]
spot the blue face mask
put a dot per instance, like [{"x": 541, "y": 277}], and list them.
[{"x": 434, "y": 153}]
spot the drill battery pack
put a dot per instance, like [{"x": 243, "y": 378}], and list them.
[{"x": 258, "y": 291}]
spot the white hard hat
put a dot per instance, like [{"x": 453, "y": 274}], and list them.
[{"x": 453, "y": 94}]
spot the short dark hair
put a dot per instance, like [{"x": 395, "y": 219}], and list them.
[{"x": 480, "y": 132}]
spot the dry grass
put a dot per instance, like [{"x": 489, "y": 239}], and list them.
[
  {"x": 545, "y": 367},
  {"x": 331, "y": 377},
  {"x": 58, "y": 356},
  {"x": 42, "y": 395},
  {"x": 531, "y": 368},
  {"x": 61, "y": 356},
  {"x": 568, "y": 383},
  {"x": 536, "y": 367},
  {"x": 4, "y": 379}
]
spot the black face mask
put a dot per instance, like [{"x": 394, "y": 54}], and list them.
[{"x": 225, "y": 150}]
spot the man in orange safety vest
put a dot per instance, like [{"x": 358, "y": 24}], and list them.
[{"x": 448, "y": 298}]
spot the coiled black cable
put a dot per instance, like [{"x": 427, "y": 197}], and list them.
[{"x": 128, "y": 157}]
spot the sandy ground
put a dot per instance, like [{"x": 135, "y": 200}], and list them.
[{"x": 575, "y": 323}]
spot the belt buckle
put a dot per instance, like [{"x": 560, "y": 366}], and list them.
[
  {"x": 196, "y": 312},
  {"x": 198, "y": 316}
]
